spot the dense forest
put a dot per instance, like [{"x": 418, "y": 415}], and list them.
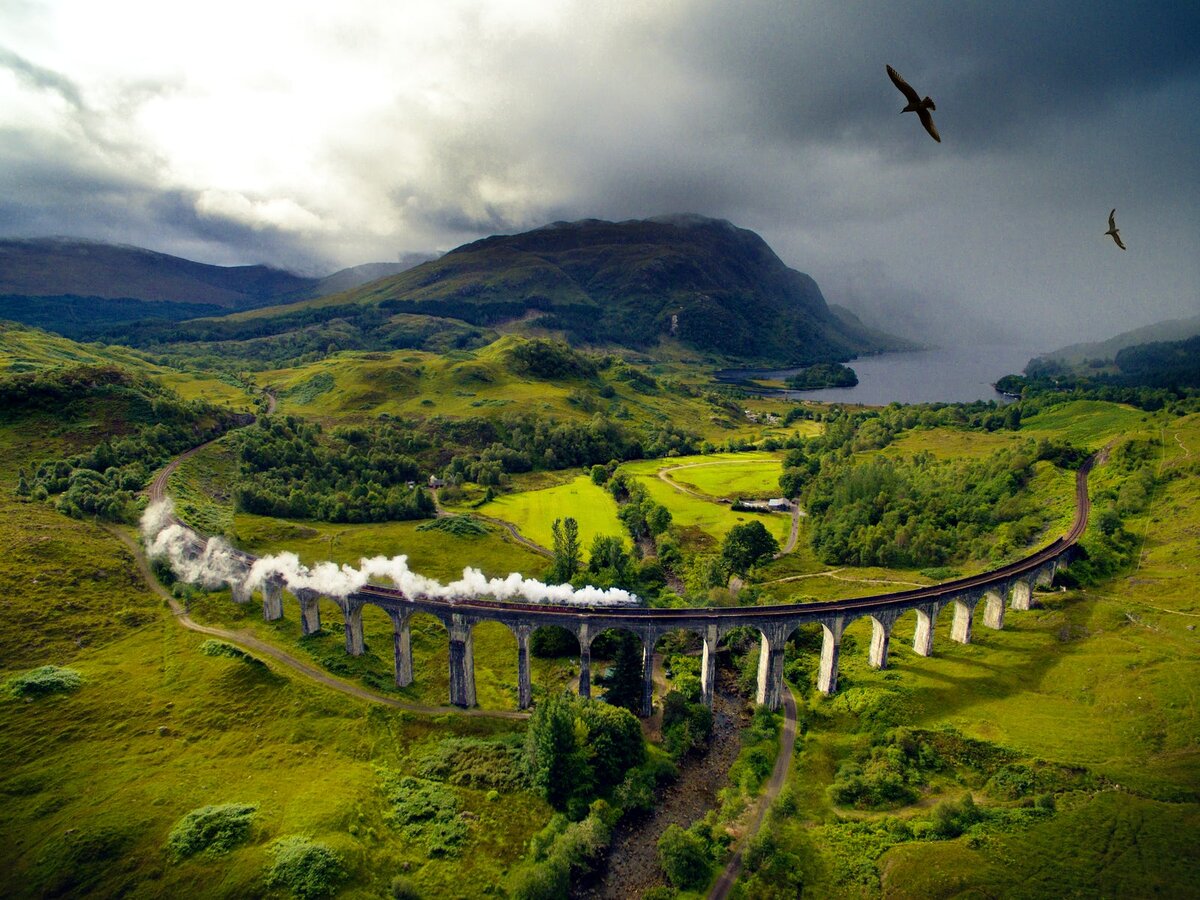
[{"x": 354, "y": 475}]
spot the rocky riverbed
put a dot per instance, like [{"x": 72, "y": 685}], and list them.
[{"x": 632, "y": 866}]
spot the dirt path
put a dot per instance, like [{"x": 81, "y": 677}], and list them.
[
  {"x": 632, "y": 866},
  {"x": 797, "y": 512},
  {"x": 516, "y": 535},
  {"x": 787, "y": 745},
  {"x": 250, "y": 642}
]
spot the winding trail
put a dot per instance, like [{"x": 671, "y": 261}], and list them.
[{"x": 787, "y": 746}]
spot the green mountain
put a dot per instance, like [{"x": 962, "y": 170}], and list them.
[
  {"x": 705, "y": 282},
  {"x": 79, "y": 288}
]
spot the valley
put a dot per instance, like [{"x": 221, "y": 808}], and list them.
[{"x": 1008, "y": 719}]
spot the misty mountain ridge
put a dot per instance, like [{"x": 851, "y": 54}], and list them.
[
  {"x": 74, "y": 285},
  {"x": 1168, "y": 330},
  {"x": 705, "y": 282}
]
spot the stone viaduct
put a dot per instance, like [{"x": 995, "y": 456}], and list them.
[{"x": 1010, "y": 586}]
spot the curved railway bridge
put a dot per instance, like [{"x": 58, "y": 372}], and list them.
[{"x": 1010, "y": 585}]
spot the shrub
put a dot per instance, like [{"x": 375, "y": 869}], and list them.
[
  {"x": 221, "y": 648},
  {"x": 211, "y": 829},
  {"x": 684, "y": 857},
  {"x": 404, "y": 889},
  {"x": 474, "y": 762},
  {"x": 951, "y": 818},
  {"x": 427, "y": 811},
  {"x": 305, "y": 868},
  {"x": 45, "y": 680}
]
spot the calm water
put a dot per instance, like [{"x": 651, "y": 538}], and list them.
[{"x": 949, "y": 375}]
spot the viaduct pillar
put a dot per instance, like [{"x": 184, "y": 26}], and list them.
[
  {"x": 881, "y": 632},
  {"x": 462, "y": 662},
  {"x": 310, "y": 610},
  {"x": 1022, "y": 595},
  {"x": 648, "y": 641},
  {"x": 585, "y": 661},
  {"x": 923, "y": 637},
  {"x": 524, "y": 683},
  {"x": 403, "y": 646},
  {"x": 272, "y": 594},
  {"x": 993, "y": 609},
  {"x": 770, "y": 666},
  {"x": 964, "y": 612},
  {"x": 708, "y": 666},
  {"x": 352, "y": 613},
  {"x": 239, "y": 590},
  {"x": 831, "y": 648}
]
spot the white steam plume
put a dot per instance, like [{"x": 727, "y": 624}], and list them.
[{"x": 214, "y": 562}]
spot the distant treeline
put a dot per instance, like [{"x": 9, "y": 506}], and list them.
[{"x": 1149, "y": 376}]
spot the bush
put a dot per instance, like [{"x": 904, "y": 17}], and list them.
[
  {"x": 951, "y": 818},
  {"x": 221, "y": 648},
  {"x": 427, "y": 811},
  {"x": 305, "y": 868},
  {"x": 211, "y": 829},
  {"x": 683, "y": 856},
  {"x": 404, "y": 889},
  {"x": 45, "y": 680},
  {"x": 476, "y": 763}
]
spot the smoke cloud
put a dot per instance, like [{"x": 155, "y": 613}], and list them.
[{"x": 213, "y": 562}]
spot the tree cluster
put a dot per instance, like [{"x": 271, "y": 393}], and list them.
[
  {"x": 291, "y": 469},
  {"x": 920, "y": 511},
  {"x": 578, "y": 748}
]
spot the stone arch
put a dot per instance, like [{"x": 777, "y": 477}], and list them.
[
  {"x": 688, "y": 643},
  {"x": 807, "y": 637},
  {"x": 429, "y": 651}
]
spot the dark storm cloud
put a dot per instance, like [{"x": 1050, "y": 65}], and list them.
[{"x": 777, "y": 116}]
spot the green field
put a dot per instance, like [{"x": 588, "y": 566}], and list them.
[
  {"x": 745, "y": 475},
  {"x": 1096, "y": 685},
  {"x": 706, "y": 522},
  {"x": 1088, "y": 423},
  {"x": 534, "y": 512},
  {"x": 1100, "y": 681}
]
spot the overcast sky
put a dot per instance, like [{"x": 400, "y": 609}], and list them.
[{"x": 315, "y": 135}]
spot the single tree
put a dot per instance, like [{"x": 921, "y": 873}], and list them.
[
  {"x": 567, "y": 556},
  {"x": 745, "y": 545}
]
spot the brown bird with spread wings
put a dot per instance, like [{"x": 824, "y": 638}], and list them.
[
  {"x": 921, "y": 106},
  {"x": 1113, "y": 230}
]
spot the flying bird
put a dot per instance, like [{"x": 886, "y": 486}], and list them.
[
  {"x": 915, "y": 103},
  {"x": 1113, "y": 230}
]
